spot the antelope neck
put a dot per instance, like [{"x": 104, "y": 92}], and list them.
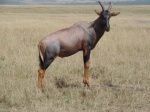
[{"x": 98, "y": 27}]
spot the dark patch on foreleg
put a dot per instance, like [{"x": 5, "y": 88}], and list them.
[{"x": 86, "y": 57}]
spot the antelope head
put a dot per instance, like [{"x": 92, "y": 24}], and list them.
[{"x": 105, "y": 15}]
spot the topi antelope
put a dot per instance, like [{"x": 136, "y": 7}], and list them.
[{"x": 82, "y": 36}]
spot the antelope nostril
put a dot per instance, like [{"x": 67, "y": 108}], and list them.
[{"x": 107, "y": 28}]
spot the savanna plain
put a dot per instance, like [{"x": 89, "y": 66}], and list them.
[{"x": 119, "y": 70}]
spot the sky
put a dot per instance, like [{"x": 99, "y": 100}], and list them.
[{"x": 31, "y": 2}]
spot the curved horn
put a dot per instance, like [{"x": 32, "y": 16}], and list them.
[
  {"x": 110, "y": 6},
  {"x": 101, "y": 5}
]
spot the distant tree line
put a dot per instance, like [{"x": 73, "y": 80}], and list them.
[{"x": 49, "y": 2}]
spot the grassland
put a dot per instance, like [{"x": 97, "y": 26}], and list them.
[{"x": 119, "y": 71}]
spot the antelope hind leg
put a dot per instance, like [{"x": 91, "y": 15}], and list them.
[{"x": 41, "y": 73}]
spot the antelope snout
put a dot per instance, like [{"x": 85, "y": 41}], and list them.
[{"x": 107, "y": 29}]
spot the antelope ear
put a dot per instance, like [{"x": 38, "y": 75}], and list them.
[
  {"x": 114, "y": 13},
  {"x": 97, "y": 12}
]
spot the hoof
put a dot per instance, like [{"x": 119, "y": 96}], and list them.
[{"x": 87, "y": 85}]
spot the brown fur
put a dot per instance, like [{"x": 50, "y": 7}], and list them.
[{"x": 82, "y": 36}]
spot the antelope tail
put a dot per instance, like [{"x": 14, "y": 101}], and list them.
[
  {"x": 41, "y": 63},
  {"x": 41, "y": 59}
]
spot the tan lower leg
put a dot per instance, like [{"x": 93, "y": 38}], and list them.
[
  {"x": 41, "y": 78},
  {"x": 86, "y": 73}
]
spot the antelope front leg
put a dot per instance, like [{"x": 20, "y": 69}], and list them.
[
  {"x": 86, "y": 74},
  {"x": 41, "y": 78},
  {"x": 86, "y": 57}
]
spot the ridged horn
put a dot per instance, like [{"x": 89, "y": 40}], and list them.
[
  {"x": 101, "y": 5},
  {"x": 110, "y": 6}
]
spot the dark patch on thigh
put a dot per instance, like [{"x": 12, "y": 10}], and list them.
[{"x": 50, "y": 55}]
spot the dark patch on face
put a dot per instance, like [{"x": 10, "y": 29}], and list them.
[{"x": 106, "y": 17}]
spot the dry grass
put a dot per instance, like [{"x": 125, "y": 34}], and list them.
[{"x": 120, "y": 63}]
